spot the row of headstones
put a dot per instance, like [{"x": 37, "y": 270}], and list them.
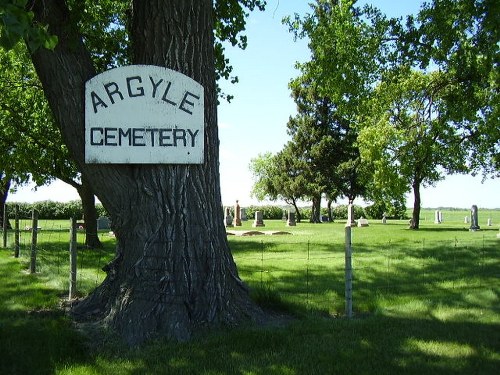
[
  {"x": 473, "y": 218},
  {"x": 241, "y": 215}
]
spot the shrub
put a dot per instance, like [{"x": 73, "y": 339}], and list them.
[{"x": 269, "y": 212}]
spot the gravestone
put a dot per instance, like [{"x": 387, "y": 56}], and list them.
[
  {"x": 259, "y": 221},
  {"x": 237, "y": 215},
  {"x": 244, "y": 214},
  {"x": 437, "y": 217},
  {"x": 291, "y": 219},
  {"x": 103, "y": 223},
  {"x": 489, "y": 222},
  {"x": 384, "y": 219},
  {"x": 350, "y": 216},
  {"x": 466, "y": 220},
  {"x": 440, "y": 216},
  {"x": 362, "y": 222},
  {"x": 474, "y": 219},
  {"x": 228, "y": 219}
]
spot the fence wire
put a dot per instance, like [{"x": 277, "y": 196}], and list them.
[
  {"x": 307, "y": 275},
  {"x": 52, "y": 254}
]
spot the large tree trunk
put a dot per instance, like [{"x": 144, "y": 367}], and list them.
[
  {"x": 90, "y": 214},
  {"x": 173, "y": 272},
  {"x": 415, "y": 220}
]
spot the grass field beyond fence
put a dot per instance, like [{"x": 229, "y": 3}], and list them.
[{"x": 425, "y": 302}]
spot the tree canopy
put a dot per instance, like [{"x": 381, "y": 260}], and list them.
[{"x": 421, "y": 92}]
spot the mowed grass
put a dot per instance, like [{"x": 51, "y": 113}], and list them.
[{"x": 425, "y": 302}]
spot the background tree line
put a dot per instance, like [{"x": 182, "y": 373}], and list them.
[{"x": 51, "y": 210}]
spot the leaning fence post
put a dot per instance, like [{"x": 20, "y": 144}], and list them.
[
  {"x": 16, "y": 232},
  {"x": 34, "y": 231},
  {"x": 4, "y": 226},
  {"x": 348, "y": 271},
  {"x": 72, "y": 259}
]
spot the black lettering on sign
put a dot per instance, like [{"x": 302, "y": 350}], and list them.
[
  {"x": 146, "y": 136},
  {"x": 185, "y": 102},
  {"x": 138, "y": 137},
  {"x": 155, "y": 85},
  {"x": 164, "y": 137},
  {"x": 179, "y": 135},
  {"x": 124, "y": 135},
  {"x": 164, "y": 97},
  {"x": 96, "y": 100},
  {"x": 139, "y": 90},
  {"x": 93, "y": 132},
  {"x": 110, "y": 136},
  {"x": 112, "y": 89},
  {"x": 193, "y": 136}
]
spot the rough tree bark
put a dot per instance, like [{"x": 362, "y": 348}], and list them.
[
  {"x": 415, "y": 220},
  {"x": 4, "y": 192},
  {"x": 90, "y": 214},
  {"x": 316, "y": 209},
  {"x": 173, "y": 272},
  {"x": 87, "y": 198}
]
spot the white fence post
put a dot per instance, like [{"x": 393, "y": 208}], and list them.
[{"x": 348, "y": 271}]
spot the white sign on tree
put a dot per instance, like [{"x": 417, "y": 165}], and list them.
[{"x": 144, "y": 114}]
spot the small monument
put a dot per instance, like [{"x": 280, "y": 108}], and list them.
[
  {"x": 228, "y": 219},
  {"x": 384, "y": 218},
  {"x": 437, "y": 217},
  {"x": 291, "y": 219},
  {"x": 474, "y": 226},
  {"x": 362, "y": 222},
  {"x": 103, "y": 223},
  {"x": 237, "y": 215},
  {"x": 489, "y": 222},
  {"x": 350, "y": 215},
  {"x": 466, "y": 220},
  {"x": 259, "y": 221},
  {"x": 244, "y": 214}
]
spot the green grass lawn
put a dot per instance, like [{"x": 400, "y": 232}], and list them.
[{"x": 425, "y": 302}]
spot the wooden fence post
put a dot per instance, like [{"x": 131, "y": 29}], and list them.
[
  {"x": 348, "y": 271},
  {"x": 72, "y": 259},
  {"x": 4, "y": 227},
  {"x": 34, "y": 232},
  {"x": 16, "y": 232}
]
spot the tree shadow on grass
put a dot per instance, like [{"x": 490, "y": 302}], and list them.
[
  {"x": 35, "y": 336},
  {"x": 380, "y": 342},
  {"x": 373, "y": 345}
]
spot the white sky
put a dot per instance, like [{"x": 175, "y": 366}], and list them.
[{"x": 255, "y": 121}]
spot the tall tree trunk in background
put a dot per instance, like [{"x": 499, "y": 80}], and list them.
[
  {"x": 173, "y": 273},
  {"x": 415, "y": 220},
  {"x": 316, "y": 209},
  {"x": 329, "y": 208},
  {"x": 90, "y": 214},
  {"x": 4, "y": 193}
]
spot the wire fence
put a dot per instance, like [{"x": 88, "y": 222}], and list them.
[
  {"x": 314, "y": 275},
  {"x": 310, "y": 276},
  {"x": 50, "y": 255}
]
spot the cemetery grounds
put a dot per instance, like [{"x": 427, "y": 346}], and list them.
[{"x": 424, "y": 302}]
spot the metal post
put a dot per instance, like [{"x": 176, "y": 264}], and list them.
[
  {"x": 72, "y": 259},
  {"x": 4, "y": 226},
  {"x": 34, "y": 230},
  {"x": 16, "y": 232},
  {"x": 348, "y": 271}
]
